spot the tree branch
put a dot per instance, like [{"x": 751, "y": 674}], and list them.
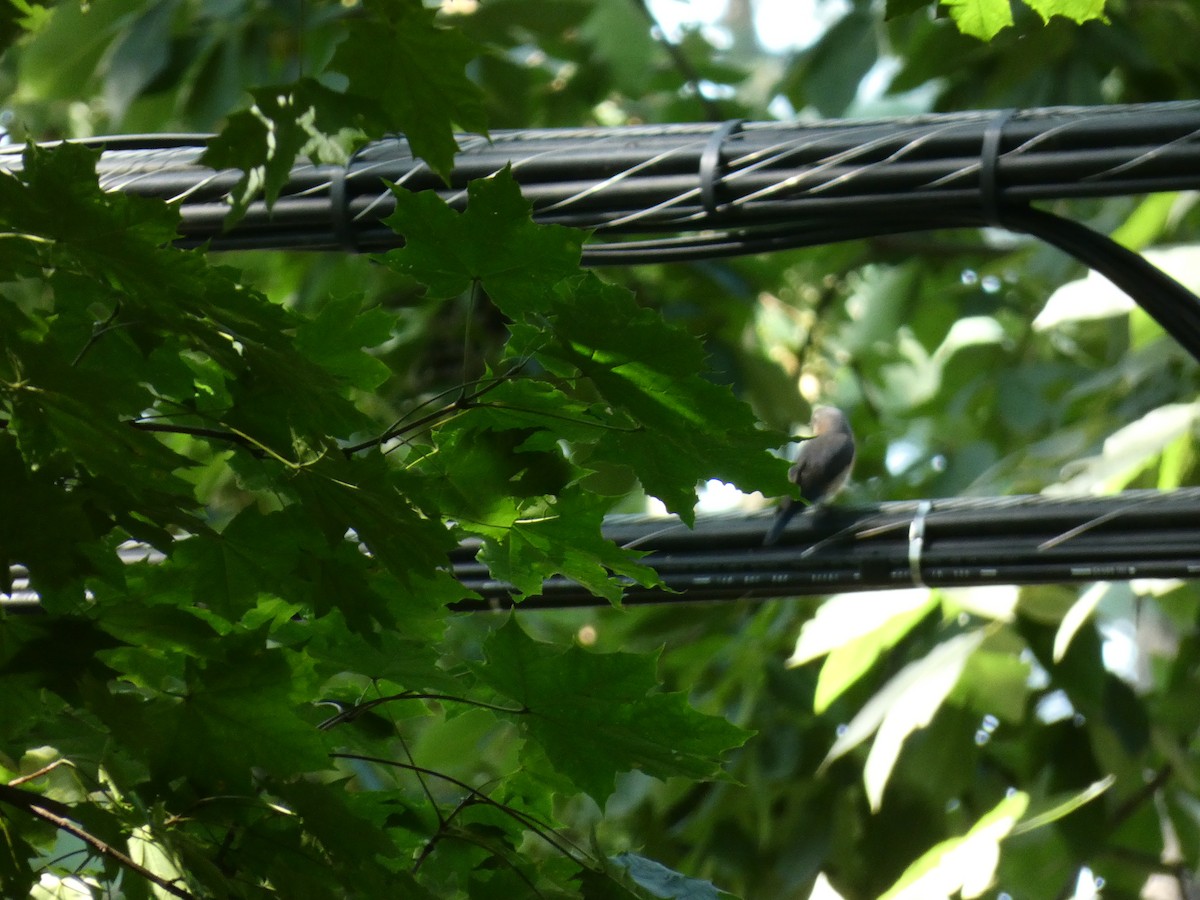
[
  {"x": 541, "y": 829},
  {"x": 215, "y": 434},
  {"x": 465, "y": 401},
  {"x": 349, "y": 715},
  {"x": 712, "y": 109},
  {"x": 59, "y": 815}
]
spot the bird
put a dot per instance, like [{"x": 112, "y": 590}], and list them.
[{"x": 822, "y": 466}]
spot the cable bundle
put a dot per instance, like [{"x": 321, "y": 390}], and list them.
[
  {"x": 940, "y": 543},
  {"x": 691, "y": 192},
  {"x": 1005, "y": 540},
  {"x": 758, "y": 186}
]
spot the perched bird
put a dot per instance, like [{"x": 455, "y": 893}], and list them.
[{"x": 822, "y": 466}]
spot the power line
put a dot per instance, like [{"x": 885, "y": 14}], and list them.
[
  {"x": 928, "y": 543},
  {"x": 925, "y": 543},
  {"x": 677, "y": 193}
]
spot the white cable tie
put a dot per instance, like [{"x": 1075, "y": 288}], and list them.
[{"x": 916, "y": 541}]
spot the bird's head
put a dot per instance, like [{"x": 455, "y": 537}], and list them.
[{"x": 827, "y": 419}]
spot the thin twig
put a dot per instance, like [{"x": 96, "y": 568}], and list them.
[
  {"x": 44, "y": 770},
  {"x": 98, "y": 331},
  {"x": 465, "y": 401},
  {"x": 215, "y": 434},
  {"x": 712, "y": 109},
  {"x": 471, "y": 839},
  {"x": 60, "y": 815},
  {"x": 467, "y": 332},
  {"x": 358, "y": 709},
  {"x": 541, "y": 829}
]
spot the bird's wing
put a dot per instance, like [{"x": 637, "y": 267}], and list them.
[{"x": 822, "y": 465}]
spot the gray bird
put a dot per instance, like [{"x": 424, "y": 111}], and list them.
[{"x": 822, "y": 466}]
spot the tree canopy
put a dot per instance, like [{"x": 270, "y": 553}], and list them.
[{"x": 275, "y": 700}]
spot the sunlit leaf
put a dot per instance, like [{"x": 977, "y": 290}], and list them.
[
  {"x": 1053, "y": 810},
  {"x": 907, "y": 702},
  {"x": 963, "y": 866},
  {"x": 1076, "y": 10},
  {"x": 983, "y": 19},
  {"x": 1129, "y": 450},
  {"x": 1076, "y": 616},
  {"x": 854, "y": 641}
]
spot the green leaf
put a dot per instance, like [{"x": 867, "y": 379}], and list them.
[
  {"x": 364, "y": 495},
  {"x": 1079, "y": 613},
  {"x": 965, "y": 864},
  {"x": 853, "y": 641},
  {"x": 47, "y": 544},
  {"x": 1055, "y": 808},
  {"x": 138, "y": 55},
  {"x": 237, "y": 712},
  {"x": 486, "y": 478},
  {"x": 283, "y": 123},
  {"x": 595, "y": 715},
  {"x": 494, "y": 242},
  {"x": 661, "y": 881},
  {"x": 1150, "y": 219},
  {"x": 1131, "y": 449},
  {"x": 983, "y": 19},
  {"x": 381, "y": 656},
  {"x": 996, "y": 682},
  {"x": 153, "y": 855},
  {"x": 827, "y": 76},
  {"x": 565, "y": 541},
  {"x": 254, "y": 553},
  {"x": 620, "y": 34},
  {"x": 1078, "y": 11},
  {"x": 349, "y": 825},
  {"x": 907, "y": 702},
  {"x": 677, "y": 429},
  {"x": 338, "y": 336},
  {"x": 15, "y": 854},
  {"x": 897, "y": 8},
  {"x": 413, "y": 68},
  {"x": 78, "y": 642}
]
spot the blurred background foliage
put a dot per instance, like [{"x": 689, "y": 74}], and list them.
[{"x": 971, "y": 363}]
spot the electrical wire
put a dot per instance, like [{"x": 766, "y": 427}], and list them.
[
  {"x": 1006, "y": 540},
  {"x": 689, "y": 192},
  {"x": 962, "y": 541}
]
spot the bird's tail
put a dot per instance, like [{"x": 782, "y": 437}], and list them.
[{"x": 786, "y": 510}]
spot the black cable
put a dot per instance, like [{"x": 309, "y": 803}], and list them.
[
  {"x": 964, "y": 541},
  {"x": 1010, "y": 540},
  {"x": 1168, "y": 302}
]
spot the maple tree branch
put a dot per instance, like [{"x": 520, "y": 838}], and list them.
[
  {"x": 215, "y": 434},
  {"x": 541, "y": 829},
  {"x": 98, "y": 331},
  {"x": 471, "y": 839},
  {"x": 466, "y": 400},
  {"x": 60, "y": 815},
  {"x": 349, "y": 715},
  {"x": 44, "y": 770}
]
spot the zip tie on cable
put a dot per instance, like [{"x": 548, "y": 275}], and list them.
[
  {"x": 916, "y": 541},
  {"x": 710, "y": 163},
  {"x": 989, "y": 167},
  {"x": 339, "y": 208}
]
